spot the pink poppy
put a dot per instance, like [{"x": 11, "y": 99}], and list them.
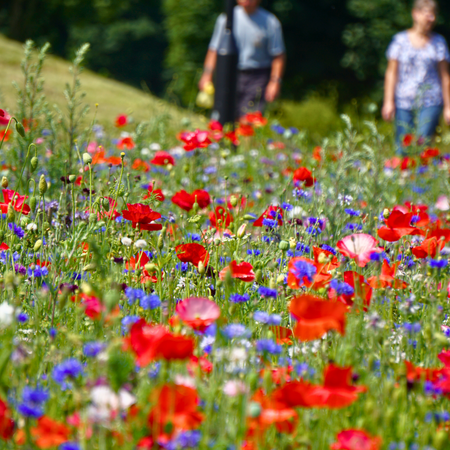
[
  {"x": 198, "y": 313},
  {"x": 359, "y": 247}
]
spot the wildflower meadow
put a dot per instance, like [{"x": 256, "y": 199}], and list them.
[{"x": 210, "y": 288}]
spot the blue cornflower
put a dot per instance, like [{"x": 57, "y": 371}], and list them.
[
  {"x": 52, "y": 332},
  {"x": 302, "y": 247},
  {"x": 92, "y": 349},
  {"x": 16, "y": 230},
  {"x": 127, "y": 323},
  {"x": 194, "y": 237},
  {"x": 266, "y": 239},
  {"x": 379, "y": 257},
  {"x": 22, "y": 317},
  {"x": 287, "y": 206},
  {"x": 133, "y": 295},
  {"x": 341, "y": 287},
  {"x": 352, "y": 212},
  {"x": 269, "y": 223},
  {"x": 70, "y": 446},
  {"x": 184, "y": 440},
  {"x": 278, "y": 129},
  {"x": 352, "y": 227},
  {"x": 150, "y": 302},
  {"x": 69, "y": 369},
  {"x": 235, "y": 330},
  {"x": 238, "y": 298},
  {"x": 263, "y": 317},
  {"x": 302, "y": 269},
  {"x": 253, "y": 252},
  {"x": 414, "y": 219},
  {"x": 438, "y": 263},
  {"x": 268, "y": 346},
  {"x": 32, "y": 402},
  {"x": 37, "y": 272},
  {"x": 329, "y": 249},
  {"x": 313, "y": 231},
  {"x": 154, "y": 369},
  {"x": 267, "y": 292},
  {"x": 182, "y": 266},
  {"x": 412, "y": 327}
]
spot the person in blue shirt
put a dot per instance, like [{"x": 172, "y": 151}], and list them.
[
  {"x": 262, "y": 55},
  {"x": 417, "y": 82}
]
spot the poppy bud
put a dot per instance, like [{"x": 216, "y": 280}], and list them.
[
  {"x": 151, "y": 267},
  {"x": 168, "y": 428},
  {"x": 232, "y": 309},
  {"x": 195, "y": 207},
  {"x": 112, "y": 298},
  {"x": 37, "y": 245},
  {"x": 42, "y": 185},
  {"x": 92, "y": 218},
  {"x": 34, "y": 163},
  {"x": 89, "y": 267},
  {"x": 280, "y": 279},
  {"x": 254, "y": 409},
  {"x": 217, "y": 241},
  {"x": 233, "y": 200},
  {"x": 284, "y": 246},
  {"x": 249, "y": 217},
  {"x": 386, "y": 213},
  {"x": 87, "y": 158},
  {"x": 241, "y": 231},
  {"x": 105, "y": 204},
  {"x": 5, "y": 182},
  {"x": 201, "y": 268},
  {"x": 72, "y": 178},
  {"x": 258, "y": 276},
  {"x": 272, "y": 284},
  {"x": 122, "y": 155},
  {"x": 10, "y": 215},
  {"x": 33, "y": 203},
  {"x": 20, "y": 129}
]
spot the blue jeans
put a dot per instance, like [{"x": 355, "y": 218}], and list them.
[{"x": 427, "y": 121}]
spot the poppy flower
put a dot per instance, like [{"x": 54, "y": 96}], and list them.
[
  {"x": 232, "y": 137},
  {"x": 93, "y": 307},
  {"x": 245, "y": 130},
  {"x": 220, "y": 218},
  {"x": 272, "y": 213},
  {"x": 198, "y": 312},
  {"x": 255, "y": 118},
  {"x": 359, "y": 247},
  {"x": 6, "y": 422},
  {"x": 428, "y": 154},
  {"x": 444, "y": 357},
  {"x": 315, "y": 317},
  {"x": 356, "y": 440},
  {"x": 242, "y": 271},
  {"x": 195, "y": 139},
  {"x": 416, "y": 374},
  {"x": 282, "y": 334},
  {"x": 142, "y": 259},
  {"x": 408, "y": 140},
  {"x": 386, "y": 277},
  {"x": 215, "y": 125},
  {"x": 186, "y": 201},
  {"x": 5, "y": 135},
  {"x": 296, "y": 394},
  {"x": 193, "y": 253},
  {"x": 428, "y": 248},
  {"x": 142, "y": 215},
  {"x": 201, "y": 363},
  {"x": 336, "y": 391},
  {"x": 4, "y": 117},
  {"x": 162, "y": 158},
  {"x": 398, "y": 224},
  {"x": 361, "y": 289},
  {"x": 4, "y": 246},
  {"x": 303, "y": 175},
  {"x": 48, "y": 433},
  {"x": 317, "y": 153},
  {"x": 156, "y": 193},
  {"x": 126, "y": 143},
  {"x": 112, "y": 211},
  {"x": 146, "y": 443},
  {"x": 138, "y": 164},
  {"x": 174, "y": 406},
  {"x": 151, "y": 343},
  {"x": 17, "y": 201},
  {"x": 121, "y": 120}
]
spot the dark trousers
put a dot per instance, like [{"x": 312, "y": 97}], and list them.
[{"x": 251, "y": 89}]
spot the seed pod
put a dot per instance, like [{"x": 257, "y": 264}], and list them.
[
  {"x": 283, "y": 245},
  {"x": 20, "y": 129},
  {"x": 201, "y": 268},
  {"x": 72, "y": 178},
  {"x": 233, "y": 200},
  {"x": 42, "y": 185},
  {"x": 105, "y": 204},
  {"x": 34, "y": 163},
  {"x": 195, "y": 207},
  {"x": 5, "y": 182},
  {"x": 37, "y": 245},
  {"x": 151, "y": 267},
  {"x": 33, "y": 203},
  {"x": 87, "y": 158}
]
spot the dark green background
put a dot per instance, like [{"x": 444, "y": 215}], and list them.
[{"x": 333, "y": 45}]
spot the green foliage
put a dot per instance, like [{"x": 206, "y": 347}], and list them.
[{"x": 120, "y": 368}]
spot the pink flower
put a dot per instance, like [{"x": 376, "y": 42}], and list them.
[
  {"x": 198, "y": 313},
  {"x": 359, "y": 247},
  {"x": 442, "y": 203}
]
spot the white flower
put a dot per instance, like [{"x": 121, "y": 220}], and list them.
[
  {"x": 140, "y": 244},
  {"x": 6, "y": 315},
  {"x": 184, "y": 380},
  {"x": 145, "y": 152},
  {"x": 126, "y": 241},
  {"x": 105, "y": 402},
  {"x": 155, "y": 147},
  {"x": 232, "y": 388},
  {"x": 31, "y": 227}
]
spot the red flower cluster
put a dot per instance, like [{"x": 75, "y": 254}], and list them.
[
  {"x": 220, "y": 218},
  {"x": 195, "y": 139},
  {"x": 18, "y": 202}
]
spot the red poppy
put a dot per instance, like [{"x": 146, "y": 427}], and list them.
[
  {"x": 162, "y": 158},
  {"x": 186, "y": 201},
  {"x": 4, "y": 246},
  {"x": 245, "y": 130},
  {"x": 444, "y": 357},
  {"x": 315, "y": 317},
  {"x": 220, "y": 218},
  {"x": 126, "y": 142},
  {"x": 272, "y": 212},
  {"x": 142, "y": 259},
  {"x": 337, "y": 392},
  {"x": 255, "y": 118},
  {"x": 360, "y": 286},
  {"x": 17, "y": 201},
  {"x": 407, "y": 163},
  {"x": 93, "y": 307},
  {"x": 356, "y": 440},
  {"x": 156, "y": 193},
  {"x": 142, "y": 215},
  {"x": 175, "y": 409},
  {"x": 199, "y": 363},
  {"x": 242, "y": 271},
  {"x": 146, "y": 443},
  {"x": 282, "y": 334},
  {"x": 150, "y": 343},
  {"x": 138, "y": 164},
  {"x": 215, "y": 125},
  {"x": 296, "y": 394},
  {"x": 386, "y": 277},
  {"x": 121, "y": 120},
  {"x": 415, "y": 374},
  {"x": 195, "y": 139},
  {"x": 6, "y": 422},
  {"x": 429, "y": 247},
  {"x": 408, "y": 140},
  {"x": 193, "y": 253},
  {"x": 428, "y": 154},
  {"x": 232, "y": 137},
  {"x": 4, "y": 117},
  {"x": 317, "y": 153},
  {"x": 49, "y": 433},
  {"x": 303, "y": 175},
  {"x": 198, "y": 312},
  {"x": 5, "y": 134},
  {"x": 398, "y": 225},
  {"x": 112, "y": 212}
]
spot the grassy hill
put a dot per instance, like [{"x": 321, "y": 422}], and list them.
[{"x": 113, "y": 97}]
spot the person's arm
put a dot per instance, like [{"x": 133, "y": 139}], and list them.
[
  {"x": 276, "y": 75},
  {"x": 208, "y": 69},
  {"x": 445, "y": 80},
  {"x": 390, "y": 82}
]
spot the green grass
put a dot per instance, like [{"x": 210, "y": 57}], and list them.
[{"x": 113, "y": 97}]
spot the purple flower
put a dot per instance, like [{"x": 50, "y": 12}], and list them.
[
  {"x": 32, "y": 402},
  {"x": 267, "y": 292},
  {"x": 238, "y": 298},
  {"x": 235, "y": 330},
  {"x": 341, "y": 287},
  {"x": 16, "y": 230},
  {"x": 69, "y": 369},
  {"x": 92, "y": 349},
  {"x": 303, "y": 269},
  {"x": 150, "y": 302},
  {"x": 268, "y": 346}
]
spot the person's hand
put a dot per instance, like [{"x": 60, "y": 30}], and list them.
[
  {"x": 447, "y": 115},
  {"x": 204, "y": 80},
  {"x": 272, "y": 91},
  {"x": 388, "y": 111}
]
